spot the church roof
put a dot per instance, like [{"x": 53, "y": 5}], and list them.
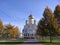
[{"x": 31, "y": 17}]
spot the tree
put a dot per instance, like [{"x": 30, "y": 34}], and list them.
[
  {"x": 48, "y": 25},
  {"x": 51, "y": 21},
  {"x": 7, "y": 30},
  {"x": 9, "y": 26},
  {"x": 42, "y": 28},
  {"x": 57, "y": 16},
  {"x": 17, "y": 32},
  {"x": 57, "y": 11},
  {"x": 1, "y": 27},
  {"x": 11, "y": 31}
]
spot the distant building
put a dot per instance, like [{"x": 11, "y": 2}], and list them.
[{"x": 30, "y": 27}]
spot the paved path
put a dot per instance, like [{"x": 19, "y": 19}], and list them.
[
  {"x": 30, "y": 44},
  {"x": 30, "y": 40}
]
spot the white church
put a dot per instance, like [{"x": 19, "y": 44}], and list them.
[{"x": 29, "y": 31}]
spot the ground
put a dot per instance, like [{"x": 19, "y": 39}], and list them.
[
  {"x": 32, "y": 40},
  {"x": 39, "y": 44}
]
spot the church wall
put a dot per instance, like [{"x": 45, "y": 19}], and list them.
[{"x": 30, "y": 28}]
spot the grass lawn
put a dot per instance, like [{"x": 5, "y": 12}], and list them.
[
  {"x": 48, "y": 40},
  {"x": 56, "y": 40},
  {"x": 50, "y": 44},
  {"x": 8, "y": 44},
  {"x": 19, "y": 40},
  {"x": 43, "y": 40},
  {"x": 11, "y": 40}
]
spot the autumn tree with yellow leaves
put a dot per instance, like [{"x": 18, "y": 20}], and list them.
[
  {"x": 1, "y": 28},
  {"x": 8, "y": 31},
  {"x": 12, "y": 32},
  {"x": 57, "y": 16},
  {"x": 48, "y": 24}
]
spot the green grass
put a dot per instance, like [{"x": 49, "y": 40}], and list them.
[
  {"x": 20, "y": 40},
  {"x": 12, "y": 40},
  {"x": 43, "y": 40},
  {"x": 50, "y": 44},
  {"x": 57, "y": 40},
  {"x": 8, "y": 44},
  {"x": 48, "y": 40}
]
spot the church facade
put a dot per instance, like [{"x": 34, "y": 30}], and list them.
[{"x": 30, "y": 27}]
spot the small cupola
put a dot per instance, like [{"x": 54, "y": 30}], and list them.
[{"x": 31, "y": 17}]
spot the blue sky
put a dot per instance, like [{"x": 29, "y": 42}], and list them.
[{"x": 17, "y": 11}]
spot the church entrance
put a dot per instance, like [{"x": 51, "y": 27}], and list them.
[{"x": 29, "y": 36}]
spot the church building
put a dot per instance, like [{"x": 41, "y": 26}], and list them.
[{"x": 30, "y": 27}]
